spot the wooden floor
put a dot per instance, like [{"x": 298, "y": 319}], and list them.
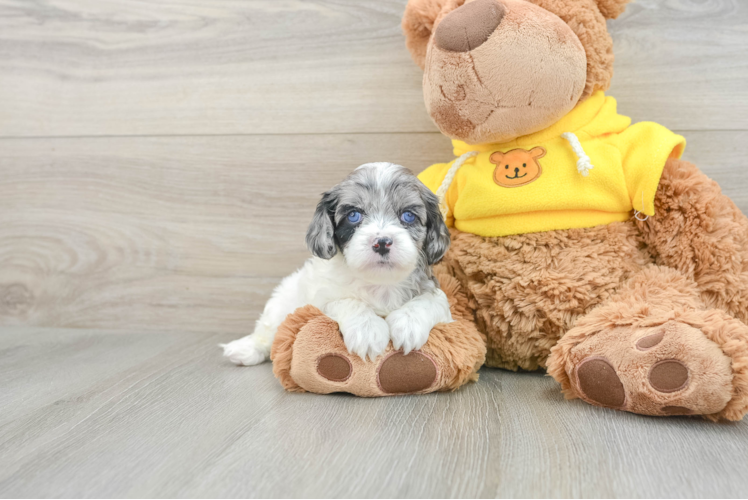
[{"x": 159, "y": 164}]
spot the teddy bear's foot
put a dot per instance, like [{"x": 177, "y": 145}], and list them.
[
  {"x": 691, "y": 363},
  {"x": 393, "y": 372},
  {"x": 666, "y": 370},
  {"x": 309, "y": 355}
]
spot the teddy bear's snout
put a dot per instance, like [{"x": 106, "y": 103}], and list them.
[{"x": 468, "y": 26}]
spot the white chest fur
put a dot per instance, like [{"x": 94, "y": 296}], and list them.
[{"x": 326, "y": 281}]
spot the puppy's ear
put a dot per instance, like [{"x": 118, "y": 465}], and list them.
[
  {"x": 437, "y": 235},
  {"x": 320, "y": 237}
]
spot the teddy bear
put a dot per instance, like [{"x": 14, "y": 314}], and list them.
[{"x": 581, "y": 244}]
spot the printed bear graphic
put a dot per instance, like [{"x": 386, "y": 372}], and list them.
[{"x": 517, "y": 167}]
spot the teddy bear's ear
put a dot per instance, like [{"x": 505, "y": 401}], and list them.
[
  {"x": 419, "y": 21},
  {"x": 496, "y": 157},
  {"x": 612, "y": 8},
  {"x": 537, "y": 152}
]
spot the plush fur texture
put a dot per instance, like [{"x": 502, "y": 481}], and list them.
[
  {"x": 611, "y": 9},
  {"x": 543, "y": 58},
  {"x": 586, "y": 18},
  {"x": 552, "y": 299},
  {"x": 527, "y": 291},
  {"x": 538, "y": 59},
  {"x": 657, "y": 301},
  {"x": 419, "y": 21},
  {"x": 710, "y": 343},
  {"x": 457, "y": 350},
  {"x": 704, "y": 235}
]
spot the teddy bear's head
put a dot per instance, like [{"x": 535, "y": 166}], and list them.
[{"x": 495, "y": 70}]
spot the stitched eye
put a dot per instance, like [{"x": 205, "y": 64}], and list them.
[
  {"x": 408, "y": 217},
  {"x": 354, "y": 217},
  {"x": 507, "y": 167},
  {"x": 524, "y": 164}
]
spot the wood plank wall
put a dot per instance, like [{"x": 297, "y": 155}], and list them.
[{"x": 159, "y": 162}]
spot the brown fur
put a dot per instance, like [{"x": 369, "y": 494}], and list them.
[
  {"x": 419, "y": 21},
  {"x": 281, "y": 352},
  {"x": 528, "y": 290},
  {"x": 588, "y": 23},
  {"x": 545, "y": 294},
  {"x": 709, "y": 342},
  {"x": 611, "y": 9},
  {"x": 482, "y": 95},
  {"x": 657, "y": 300},
  {"x": 704, "y": 235},
  {"x": 731, "y": 334}
]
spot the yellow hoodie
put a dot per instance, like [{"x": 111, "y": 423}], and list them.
[{"x": 590, "y": 168}]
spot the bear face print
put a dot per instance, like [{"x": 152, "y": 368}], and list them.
[{"x": 517, "y": 167}]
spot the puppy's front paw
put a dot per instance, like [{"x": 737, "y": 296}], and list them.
[
  {"x": 408, "y": 331},
  {"x": 366, "y": 335},
  {"x": 245, "y": 351}
]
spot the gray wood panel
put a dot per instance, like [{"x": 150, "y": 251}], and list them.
[
  {"x": 135, "y": 414},
  {"x": 133, "y": 67},
  {"x": 192, "y": 233},
  {"x": 683, "y": 63}
]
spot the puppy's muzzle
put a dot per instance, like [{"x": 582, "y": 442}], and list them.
[{"x": 382, "y": 246}]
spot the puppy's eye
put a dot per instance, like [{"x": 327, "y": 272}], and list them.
[
  {"x": 354, "y": 217},
  {"x": 408, "y": 217}
]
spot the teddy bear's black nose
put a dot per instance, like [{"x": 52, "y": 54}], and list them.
[{"x": 467, "y": 27}]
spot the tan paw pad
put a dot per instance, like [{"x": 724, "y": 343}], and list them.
[
  {"x": 334, "y": 367},
  {"x": 401, "y": 374},
  {"x": 648, "y": 342},
  {"x": 599, "y": 382},
  {"x": 669, "y": 375},
  {"x": 676, "y": 410},
  {"x": 670, "y": 369}
]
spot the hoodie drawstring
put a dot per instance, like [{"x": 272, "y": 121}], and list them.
[
  {"x": 441, "y": 193},
  {"x": 584, "y": 165}
]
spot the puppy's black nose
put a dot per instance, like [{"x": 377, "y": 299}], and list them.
[{"x": 382, "y": 246}]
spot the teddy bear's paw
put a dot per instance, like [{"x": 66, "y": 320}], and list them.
[
  {"x": 321, "y": 362},
  {"x": 395, "y": 373},
  {"x": 671, "y": 369}
]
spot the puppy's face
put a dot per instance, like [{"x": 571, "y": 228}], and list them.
[{"x": 385, "y": 222}]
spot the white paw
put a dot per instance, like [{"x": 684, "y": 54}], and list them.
[
  {"x": 408, "y": 331},
  {"x": 245, "y": 351},
  {"x": 365, "y": 335}
]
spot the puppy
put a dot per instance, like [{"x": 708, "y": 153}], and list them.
[{"x": 374, "y": 238}]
